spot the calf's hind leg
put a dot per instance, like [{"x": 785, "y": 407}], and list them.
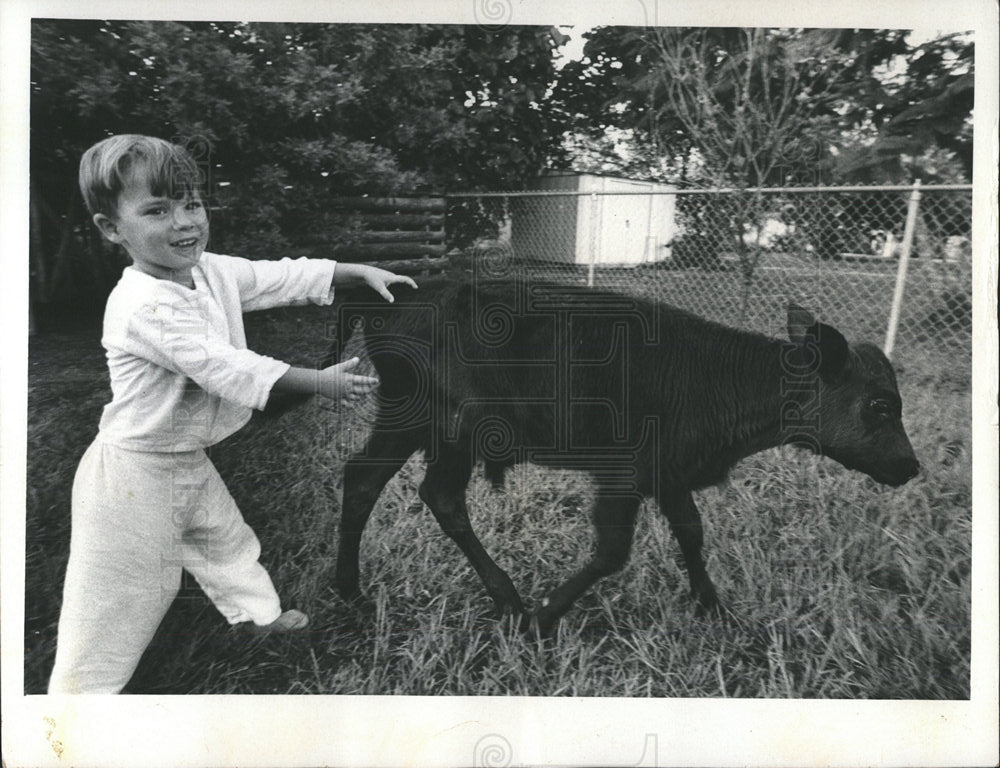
[
  {"x": 443, "y": 490},
  {"x": 685, "y": 522},
  {"x": 365, "y": 475},
  {"x": 614, "y": 519}
]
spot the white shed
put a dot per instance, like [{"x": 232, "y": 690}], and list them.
[{"x": 595, "y": 228}]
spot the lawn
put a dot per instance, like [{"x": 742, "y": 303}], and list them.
[{"x": 839, "y": 587}]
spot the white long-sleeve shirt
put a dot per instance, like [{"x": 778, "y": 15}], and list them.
[{"x": 181, "y": 375}]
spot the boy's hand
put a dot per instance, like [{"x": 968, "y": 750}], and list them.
[
  {"x": 377, "y": 279},
  {"x": 380, "y": 279},
  {"x": 338, "y": 383}
]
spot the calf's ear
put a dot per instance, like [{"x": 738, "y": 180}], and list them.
[
  {"x": 826, "y": 344},
  {"x": 799, "y": 322}
]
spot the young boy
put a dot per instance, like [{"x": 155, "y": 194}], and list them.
[{"x": 147, "y": 502}]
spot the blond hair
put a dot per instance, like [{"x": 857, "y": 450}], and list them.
[{"x": 110, "y": 165}]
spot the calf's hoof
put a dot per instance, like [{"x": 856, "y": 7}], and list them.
[
  {"x": 707, "y": 603},
  {"x": 539, "y": 626},
  {"x": 509, "y": 607},
  {"x": 716, "y": 611}
]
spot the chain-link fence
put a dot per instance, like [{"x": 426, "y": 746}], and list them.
[{"x": 890, "y": 265}]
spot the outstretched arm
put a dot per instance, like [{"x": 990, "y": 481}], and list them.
[{"x": 378, "y": 279}]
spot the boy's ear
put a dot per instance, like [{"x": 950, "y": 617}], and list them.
[{"x": 108, "y": 227}]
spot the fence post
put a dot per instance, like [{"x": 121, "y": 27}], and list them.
[{"x": 904, "y": 263}]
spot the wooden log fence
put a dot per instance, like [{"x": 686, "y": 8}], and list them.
[{"x": 403, "y": 234}]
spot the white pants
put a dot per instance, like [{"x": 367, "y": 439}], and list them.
[{"x": 138, "y": 519}]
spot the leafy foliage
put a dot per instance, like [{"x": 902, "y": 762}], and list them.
[{"x": 921, "y": 118}]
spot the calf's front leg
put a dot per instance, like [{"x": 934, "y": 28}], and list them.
[
  {"x": 443, "y": 490},
  {"x": 365, "y": 475}
]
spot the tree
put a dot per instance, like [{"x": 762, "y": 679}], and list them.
[
  {"x": 735, "y": 106},
  {"x": 281, "y": 117},
  {"x": 756, "y": 104}
]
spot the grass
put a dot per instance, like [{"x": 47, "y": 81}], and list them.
[{"x": 839, "y": 587}]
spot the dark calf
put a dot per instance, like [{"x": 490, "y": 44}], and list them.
[{"x": 652, "y": 401}]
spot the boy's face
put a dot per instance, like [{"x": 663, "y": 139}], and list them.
[{"x": 165, "y": 236}]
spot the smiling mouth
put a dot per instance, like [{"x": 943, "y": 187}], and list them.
[{"x": 186, "y": 243}]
